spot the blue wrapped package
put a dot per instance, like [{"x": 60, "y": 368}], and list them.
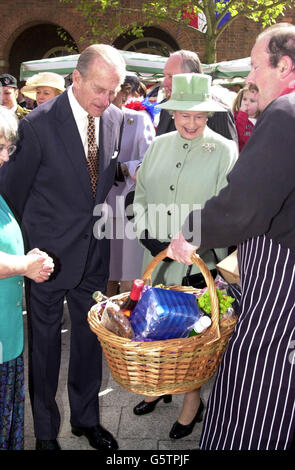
[{"x": 164, "y": 314}]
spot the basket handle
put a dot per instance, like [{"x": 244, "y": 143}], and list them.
[{"x": 209, "y": 281}]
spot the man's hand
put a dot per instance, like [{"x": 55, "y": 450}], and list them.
[{"x": 180, "y": 250}]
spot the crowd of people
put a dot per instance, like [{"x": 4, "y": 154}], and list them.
[{"x": 97, "y": 144}]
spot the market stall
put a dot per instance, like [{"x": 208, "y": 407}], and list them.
[{"x": 145, "y": 65}]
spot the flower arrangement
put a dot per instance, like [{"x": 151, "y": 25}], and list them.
[{"x": 144, "y": 105}]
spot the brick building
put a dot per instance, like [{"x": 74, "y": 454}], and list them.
[{"x": 29, "y": 30}]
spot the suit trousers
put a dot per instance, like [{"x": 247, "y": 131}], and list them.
[{"x": 45, "y": 312}]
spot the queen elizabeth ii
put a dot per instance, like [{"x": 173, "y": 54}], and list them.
[{"x": 181, "y": 171}]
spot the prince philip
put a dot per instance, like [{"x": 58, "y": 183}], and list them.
[{"x": 64, "y": 166}]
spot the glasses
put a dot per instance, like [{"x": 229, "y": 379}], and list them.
[{"x": 10, "y": 149}]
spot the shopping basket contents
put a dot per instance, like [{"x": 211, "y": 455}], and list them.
[
  {"x": 164, "y": 314},
  {"x": 113, "y": 319},
  {"x": 158, "y": 367}
]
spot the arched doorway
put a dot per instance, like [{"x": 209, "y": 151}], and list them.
[
  {"x": 37, "y": 42},
  {"x": 154, "y": 41}
]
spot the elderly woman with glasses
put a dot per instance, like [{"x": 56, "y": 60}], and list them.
[
  {"x": 179, "y": 170},
  {"x": 14, "y": 265}
]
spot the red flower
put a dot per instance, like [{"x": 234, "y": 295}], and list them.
[{"x": 136, "y": 105}]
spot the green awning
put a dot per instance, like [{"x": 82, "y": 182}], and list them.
[
  {"x": 145, "y": 65},
  {"x": 232, "y": 68},
  {"x": 142, "y": 64}
]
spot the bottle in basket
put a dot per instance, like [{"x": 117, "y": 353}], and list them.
[
  {"x": 133, "y": 298},
  {"x": 202, "y": 324}
]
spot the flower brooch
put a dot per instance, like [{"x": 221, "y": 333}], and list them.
[{"x": 208, "y": 147}]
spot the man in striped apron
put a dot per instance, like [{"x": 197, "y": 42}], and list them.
[{"x": 252, "y": 404}]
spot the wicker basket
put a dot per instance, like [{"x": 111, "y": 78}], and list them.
[{"x": 168, "y": 366}]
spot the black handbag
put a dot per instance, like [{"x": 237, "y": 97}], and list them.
[
  {"x": 197, "y": 280},
  {"x": 129, "y": 205}
]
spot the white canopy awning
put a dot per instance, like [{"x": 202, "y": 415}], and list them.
[
  {"x": 230, "y": 68},
  {"x": 142, "y": 64},
  {"x": 145, "y": 65}
]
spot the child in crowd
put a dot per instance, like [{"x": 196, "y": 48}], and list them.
[{"x": 246, "y": 112}]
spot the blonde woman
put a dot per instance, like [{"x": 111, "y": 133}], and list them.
[{"x": 43, "y": 87}]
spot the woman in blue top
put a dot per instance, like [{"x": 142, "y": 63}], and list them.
[{"x": 14, "y": 264}]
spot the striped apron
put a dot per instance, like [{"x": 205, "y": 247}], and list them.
[{"x": 252, "y": 403}]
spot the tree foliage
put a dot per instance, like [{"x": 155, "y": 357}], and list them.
[{"x": 180, "y": 12}]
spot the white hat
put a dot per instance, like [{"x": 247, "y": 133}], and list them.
[{"x": 50, "y": 79}]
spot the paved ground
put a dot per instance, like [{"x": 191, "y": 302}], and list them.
[{"x": 150, "y": 432}]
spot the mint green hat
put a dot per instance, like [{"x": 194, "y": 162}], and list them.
[{"x": 191, "y": 92}]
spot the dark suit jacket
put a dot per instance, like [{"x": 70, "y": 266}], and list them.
[
  {"x": 47, "y": 183},
  {"x": 222, "y": 123},
  {"x": 259, "y": 199}
]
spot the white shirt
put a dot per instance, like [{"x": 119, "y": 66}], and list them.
[
  {"x": 13, "y": 109},
  {"x": 80, "y": 116}
]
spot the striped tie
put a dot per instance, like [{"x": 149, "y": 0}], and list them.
[{"x": 92, "y": 158}]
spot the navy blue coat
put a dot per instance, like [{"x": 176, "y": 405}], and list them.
[{"x": 47, "y": 183}]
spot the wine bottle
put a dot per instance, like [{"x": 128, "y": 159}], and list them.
[{"x": 133, "y": 297}]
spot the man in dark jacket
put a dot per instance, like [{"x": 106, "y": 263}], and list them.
[
  {"x": 251, "y": 406},
  {"x": 53, "y": 185},
  {"x": 188, "y": 62}
]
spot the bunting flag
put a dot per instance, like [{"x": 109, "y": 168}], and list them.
[
  {"x": 199, "y": 21},
  {"x": 226, "y": 17}
]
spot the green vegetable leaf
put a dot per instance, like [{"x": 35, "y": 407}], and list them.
[{"x": 225, "y": 301}]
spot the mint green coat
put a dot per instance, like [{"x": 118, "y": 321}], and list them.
[
  {"x": 176, "y": 175},
  {"x": 11, "y": 289}
]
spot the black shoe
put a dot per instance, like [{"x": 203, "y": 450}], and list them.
[
  {"x": 51, "y": 444},
  {"x": 98, "y": 437},
  {"x": 145, "y": 407},
  {"x": 181, "y": 430}
]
